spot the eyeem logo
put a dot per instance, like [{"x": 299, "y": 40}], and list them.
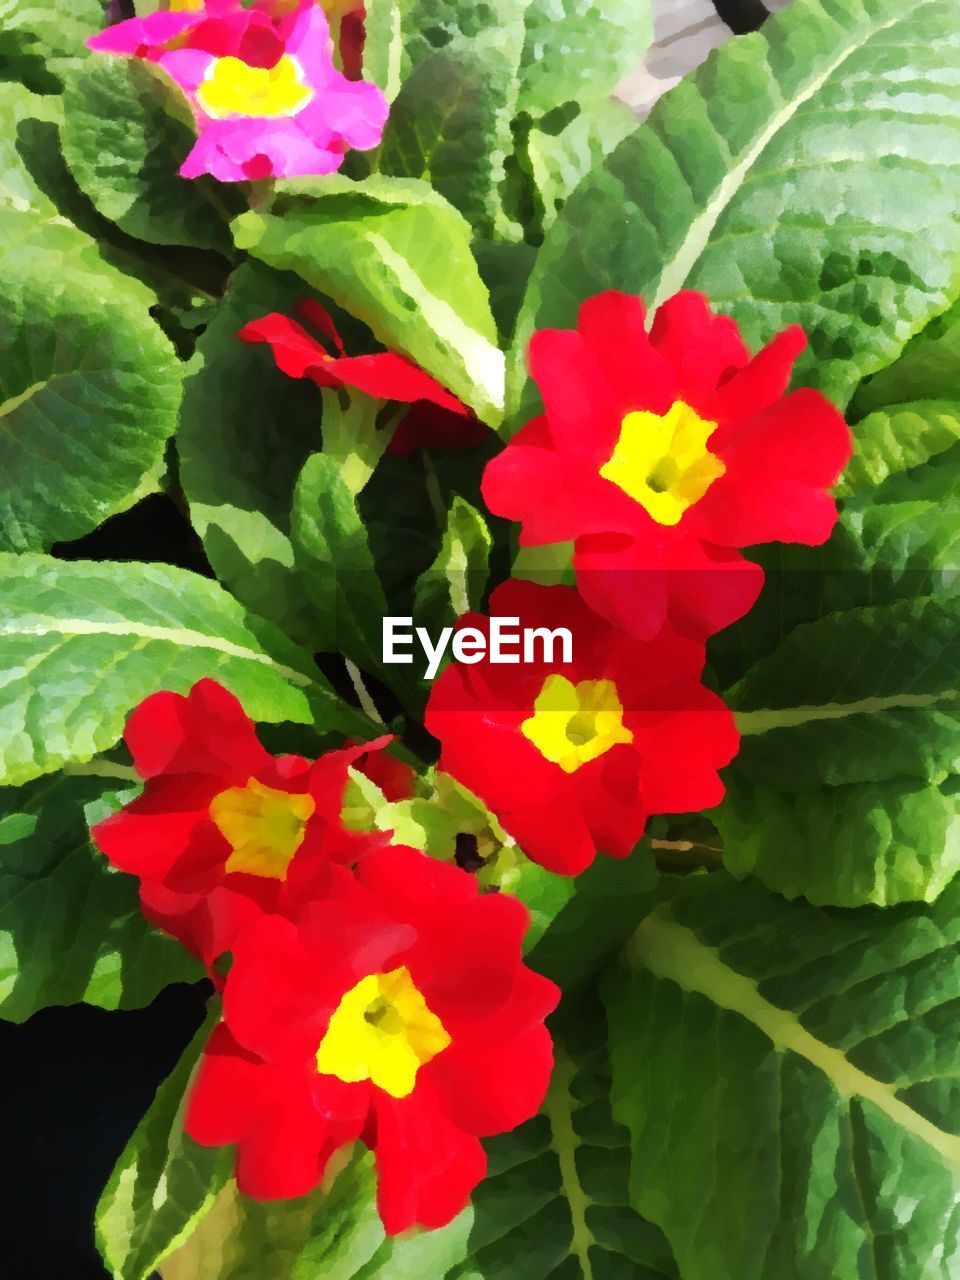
[{"x": 508, "y": 643}]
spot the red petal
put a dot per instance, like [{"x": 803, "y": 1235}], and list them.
[
  {"x": 555, "y": 496},
  {"x": 297, "y": 353},
  {"x": 613, "y": 325},
  {"x": 427, "y": 1166},
  {"x": 168, "y": 822},
  {"x": 579, "y": 402},
  {"x": 205, "y": 732},
  {"x": 489, "y": 1089},
  {"x": 760, "y": 383},
  {"x": 321, "y": 319},
  {"x": 704, "y": 349}
]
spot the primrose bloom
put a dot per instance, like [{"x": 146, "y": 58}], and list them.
[
  {"x": 436, "y": 417},
  {"x": 266, "y": 98},
  {"x": 224, "y": 830},
  {"x": 573, "y": 756},
  {"x": 395, "y": 1009},
  {"x": 661, "y": 454}
]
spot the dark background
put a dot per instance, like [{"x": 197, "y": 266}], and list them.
[{"x": 77, "y": 1080}]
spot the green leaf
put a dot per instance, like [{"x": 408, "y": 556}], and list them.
[
  {"x": 18, "y": 109},
  {"x": 809, "y": 172},
  {"x": 331, "y": 1232},
  {"x": 397, "y": 256},
  {"x": 89, "y": 386},
  {"x": 39, "y": 36},
  {"x": 82, "y": 643},
  {"x": 126, "y": 132},
  {"x": 70, "y": 927},
  {"x": 455, "y": 582},
  {"x": 609, "y": 899},
  {"x": 789, "y": 1081},
  {"x": 891, "y": 441},
  {"x": 554, "y": 1205},
  {"x": 164, "y": 1182},
  {"x": 579, "y": 52},
  {"x": 927, "y": 369},
  {"x": 245, "y": 431},
  {"x": 845, "y": 788},
  {"x": 449, "y": 126},
  {"x": 559, "y": 157},
  {"x": 383, "y": 45},
  {"x": 334, "y": 558}
]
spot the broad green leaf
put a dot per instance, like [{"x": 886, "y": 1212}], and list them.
[
  {"x": 927, "y": 369},
  {"x": 332, "y": 1232},
  {"x": 334, "y": 557},
  {"x": 845, "y": 789},
  {"x": 560, "y": 151},
  {"x": 449, "y": 126},
  {"x": 555, "y": 1203},
  {"x": 576, "y": 51},
  {"x": 891, "y": 441},
  {"x": 164, "y": 1182},
  {"x": 70, "y": 927},
  {"x": 809, "y": 172},
  {"x": 606, "y": 904},
  {"x": 89, "y": 386},
  {"x": 789, "y": 1079},
  {"x": 383, "y": 45},
  {"x": 43, "y": 40},
  {"x": 245, "y": 432},
  {"x": 455, "y": 582},
  {"x": 82, "y": 643},
  {"x": 20, "y": 110},
  {"x": 126, "y": 132},
  {"x": 396, "y": 255}
]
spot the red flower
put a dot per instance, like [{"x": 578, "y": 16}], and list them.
[
  {"x": 223, "y": 830},
  {"x": 394, "y": 777},
  {"x": 395, "y": 1009},
  {"x": 662, "y": 454},
  {"x": 436, "y": 417},
  {"x": 573, "y": 756}
]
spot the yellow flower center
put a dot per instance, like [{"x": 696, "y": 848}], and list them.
[
  {"x": 381, "y": 1031},
  {"x": 263, "y": 827},
  {"x": 662, "y": 461},
  {"x": 232, "y": 88},
  {"x": 575, "y": 723}
]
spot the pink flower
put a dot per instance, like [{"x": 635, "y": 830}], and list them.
[{"x": 266, "y": 97}]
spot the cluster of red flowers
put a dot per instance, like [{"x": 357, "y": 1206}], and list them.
[{"x": 374, "y": 993}]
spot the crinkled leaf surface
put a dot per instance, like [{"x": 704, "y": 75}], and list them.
[
  {"x": 70, "y": 927},
  {"x": 577, "y": 51},
  {"x": 89, "y": 386},
  {"x": 789, "y": 1079},
  {"x": 397, "y": 256},
  {"x": 82, "y": 643},
  {"x": 334, "y": 557},
  {"x": 809, "y": 172},
  {"x": 163, "y": 1183},
  {"x": 245, "y": 432},
  {"x": 845, "y": 788},
  {"x": 126, "y": 132},
  {"x": 47, "y": 36}
]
